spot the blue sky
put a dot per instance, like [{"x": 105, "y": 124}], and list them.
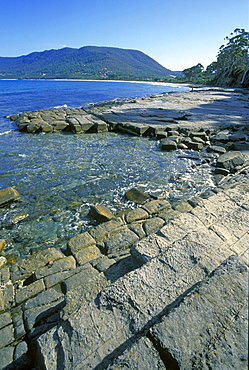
[{"x": 176, "y": 33}]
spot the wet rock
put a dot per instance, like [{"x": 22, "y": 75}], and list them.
[
  {"x": 216, "y": 149},
  {"x": 201, "y": 135},
  {"x": 168, "y": 145},
  {"x": 100, "y": 213},
  {"x": 136, "y": 215},
  {"x": 121, "y": 241},
  {"x": 80, "y": 241},
  {"x": 103, "y": 231},
  {"x": 137, "y": 196},
  {"x": 8, "y": 195},
  {"x": 157, "y": 206},
  {"x": 3, "y": 261},
  {"x": 2, "y": 244},
  {"x": 221, "y": 171},
  {"x": 230, "y": 160},
  {"x": 220, "y": 137},
  {"x": 194, "y": 145},
  {"x": 161, "y": 135}
]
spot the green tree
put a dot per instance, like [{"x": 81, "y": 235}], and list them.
[
  {"x": 233, "y": 58},
  {"x": 193, "y": 74}
]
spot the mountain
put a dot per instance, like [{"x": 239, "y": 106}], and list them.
[{"x": 88, "y": 62}]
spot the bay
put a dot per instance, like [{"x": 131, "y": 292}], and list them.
[{"x": 59, "y": 176}]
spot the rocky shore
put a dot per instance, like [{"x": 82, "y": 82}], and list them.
[{"x": 158, "y": 287}]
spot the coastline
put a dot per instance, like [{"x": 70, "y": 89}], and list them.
[{"x": 158, "y": 280}]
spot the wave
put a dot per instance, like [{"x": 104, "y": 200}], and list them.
[{"x": 7, "y": 132}]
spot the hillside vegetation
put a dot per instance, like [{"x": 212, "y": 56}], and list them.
[
  {"x": 231, "y": 67},
  {"x": 89, "y": 62}
]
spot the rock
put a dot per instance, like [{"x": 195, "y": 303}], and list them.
[
  {"x": 201, "y": 135},
  {"x": 238, "y": 136},
  {"x": 2, "y": 244},
  {"x": 8, "y": 195},
  {"x": 136, "y": 215},
  {"x": 220, "y": 137},
  {"x": 80, "y": 242},
  {"x": 194, "y": 146},
  {"x": 168, "y": 145},
  {"x": 184, "y": 334},
  {"x": 87, "y": 254},
  {"x": 103, "y": 231},
  {"x": 153, "y": 225},
  {"x": 100, "y": 213},
  {"x": 119, "y": 242},
  {"x": 161, "y": 135},
  {"x": 27, "y": 292},
  {"x": 230, "y": 160},
  {"x": 157, "y": 206},
  {"x": 3, "y": 261},
  {"x": 6, "y": 356},
  {"x": 221, "y": 171},
  {"x": 137, "y": 196},
  {"x": 216, "y": 149}
]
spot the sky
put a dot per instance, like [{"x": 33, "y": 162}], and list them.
[{"x": 176, "y": 33}]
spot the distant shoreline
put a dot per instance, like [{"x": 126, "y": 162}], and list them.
[{"x": 67, "y": 79}]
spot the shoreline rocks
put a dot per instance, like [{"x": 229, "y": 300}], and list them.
[{"x": 156, "y": 287}]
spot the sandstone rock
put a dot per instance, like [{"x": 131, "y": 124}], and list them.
[
  {"x": 216, "y": 149},
  {"x": 8, "y": 195},
  {"x": 157, "y": 206},
  {"x": 103, "y": 231},
  {"x": 201, "y": 135},
  {"x": 220, "y": 137},
  {"x": 136, "y": 215},
  {"x": 194, "y": 146},
  {"x": 137, "y": 196},
  {"x": 80, "y": 242},
  {"x": 87, "y": 254},
  {"x": 168, "y": 145},
  {"x": 230, "y": 160},
  {"x": 161, "y": 135},
  {"x": 100, "y": 213},
  {"x": 27, "y": 292},
  {"x": 184, "y": 334},
  {"x": 119, "y": 242}
]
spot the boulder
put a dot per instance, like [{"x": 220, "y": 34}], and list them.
[
  {"x": 100, "y": 213},
  {"x": 216, "y": 149},
  {"x": 137, "y": 196},
  {"x": 168, "y": 145},
  {"x": 230, "y": 160},
  {"x": 8, "y": 195}
]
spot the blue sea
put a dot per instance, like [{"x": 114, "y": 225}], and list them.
[{"x": 59, "y": 176}]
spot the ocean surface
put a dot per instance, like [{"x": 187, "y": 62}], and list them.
[{"x": 59, "y": 176}]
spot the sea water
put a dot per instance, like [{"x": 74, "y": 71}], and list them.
[{"x": 61, "y": 175}]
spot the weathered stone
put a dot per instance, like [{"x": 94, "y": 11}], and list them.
[
  {"x": 216, "y": 149},
  {"x": 208, "y": 330},
  {"x": 183, "y": 207},
  {"x": 119, "y": 242},
  {"x": 8, "y": 195},
  {"x": 136, "y": 215},
  {"x": 27, "y": 292},
  {"x": 230, "y": 160},
  {"x": 20, "y": 349},
  {"x": 63, "y": 264},
  {"x": 152, "y": 225},
  {"x": 2, "y": 244},
  {"x": 41, "y": 307},
  {"x": 137, "y": 228},
  {"x": 161, "y": 135},
  {"x": 5, "y": 319},
  {"x": 155, "y": 207},
  {"x": 6, "y": 356},
  {"x": 100, "y": 213},
  {"x": 105, "y": 230},
  {"x": 80, "y": 241},
  {"x": 137, "y": 196},
  {"x": 141, "y": 355},
  {"x": 87, "y": 254},
  {"x": 168, "y": 145},
  {"x": 220, "y": 137},
  {"x": 39, "y": 259},
  {"x": 17, "y": 316},
  {"x": 3, "y": 261},
  {"x": 82, "y": 275},
  {"x": 194, "y": 146},
  {"x": 201, "y": 135},
  {"x": 6, "y": 335},
  {"x": 238, "y": 136},
  {"x": 104, "y": 264},
  {"x": 6, "y": 296}
]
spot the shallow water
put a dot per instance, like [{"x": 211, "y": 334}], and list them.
[{"x": 59, "y": 176}]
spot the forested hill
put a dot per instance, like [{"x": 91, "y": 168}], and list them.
[{"x": 89, "y": 62}]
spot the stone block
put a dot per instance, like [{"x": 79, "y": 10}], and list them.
[
  {"x": 136, "y": 215},
  {"x": 39, "y": 259},
  {"x": 82, "y": 275},
  {"x": 27, "y": 292},
  {"x": 87, "y": 254},
  {"x": 17, "y": 316},
  {"x": 121, "y": 241},
  {"x": 155, "y": 207},
  {"x": 80, "y": 241},
  {"x": 8, "y": 195},
  {"x": 100, "y": 213},
  {"x": 63, "y": 264},
  {"x": 6, "y": 356},
  {"x": 153, "y": 225},
  {"x": 6, "y": 335},
  {"x": 168, "y": 145},
  {"x": 230, "y": 160},
  {"x": 41, "y": 307},
  {"x": 105, "y": 230},
  {"x": 137, "y": 196}
]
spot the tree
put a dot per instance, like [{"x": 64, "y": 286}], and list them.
[
  {"x": 193, "y": 74},
  {"x": 233, "y": 58}
]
